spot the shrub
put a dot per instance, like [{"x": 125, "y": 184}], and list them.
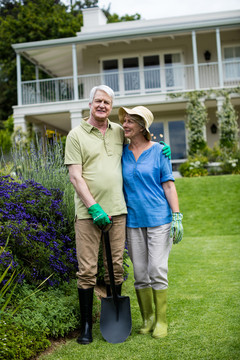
[
  {"x": 5, "y": 168},
  {"x": 54, "y": 312},
  {"x": 195, "y": 166},
  {"x": 5, "y": 135},
  {"x": 213, "y": 155},
  {"x": 231, "y": 164},
  {"x": 40, "y": 239},
  {"x": 18, "y": 343}
]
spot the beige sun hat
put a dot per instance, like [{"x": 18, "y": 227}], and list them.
[{"x": 140, "y": 111}]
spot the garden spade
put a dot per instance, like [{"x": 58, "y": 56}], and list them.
[{"x": 115, "y": 319}]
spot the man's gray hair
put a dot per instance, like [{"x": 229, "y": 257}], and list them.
[{"x": 104, "y": 88}]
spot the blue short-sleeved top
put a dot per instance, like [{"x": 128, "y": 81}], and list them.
[{"x": 142, "y": 180}]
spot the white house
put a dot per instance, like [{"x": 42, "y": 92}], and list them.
[{"x": 144, "y": 61}]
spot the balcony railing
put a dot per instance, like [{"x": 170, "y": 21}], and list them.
[{"x": 154, "y": 79}]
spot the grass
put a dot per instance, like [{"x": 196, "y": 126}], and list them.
[{"x": 203, "y": 296}]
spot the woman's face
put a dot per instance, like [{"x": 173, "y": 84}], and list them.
[{"x": 131, "y": 127}]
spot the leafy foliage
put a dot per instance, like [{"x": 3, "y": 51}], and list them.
[
  {"x": 196, "y": 119},
  {"x": 5, "y": 135},
  {"x": 53, "y": 313},
  {"x": 195, "y": 166},
  {"x": 18, "y": 343},
  {"x": 228, "y": 125}
]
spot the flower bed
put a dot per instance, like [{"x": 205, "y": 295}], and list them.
[{"x": 41, "y": 242}]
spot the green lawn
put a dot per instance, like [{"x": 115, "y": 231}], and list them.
[{"x": 204, "y": 279}]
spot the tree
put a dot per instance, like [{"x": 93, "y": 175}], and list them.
[
  {"x": 31, "y": 21},
  {"x": 115, "y": 18}
]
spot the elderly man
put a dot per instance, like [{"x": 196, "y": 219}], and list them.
[{"x": 93, "y": 156}]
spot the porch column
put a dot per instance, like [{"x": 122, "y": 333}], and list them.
[
  {"x": 39, "y": 129},
  {"x": 19, "y": 85},
  {"x": 20, "y": 122},
  {"x": 204, "y": 129},
  {"x": 75, "y": 72},
  {"x": 220, "y": 101},
  {"x": 219, "y": 56},
  {"x": 76, "y": 117},
  {"x": 195, "y": 60}
]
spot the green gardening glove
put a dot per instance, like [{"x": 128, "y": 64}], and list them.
[
  {"x": 176, "y": 231},
  {"x": 166, "y": 149},
  {"x": 99, "y": 216}
]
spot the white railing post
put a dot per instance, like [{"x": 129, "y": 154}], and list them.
[
  {"x": 19, "y": 80},
  {"x": 37, "y": 85},
  {"x": 163, "y": 78},
  {"x": 56, "y": 87},
  {"x": 195, "y": 60},
  {"x": 219, "y": 55},
  {"x": 141, "y": 79},
  {"x": 75, "y": 72}
]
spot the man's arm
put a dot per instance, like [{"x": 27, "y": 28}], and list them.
[
  {"x": 75, "y": 174},
  {"x": 94, "y": 209}
]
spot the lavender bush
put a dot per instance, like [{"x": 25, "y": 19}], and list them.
[
  {"x": 40, "y": 237},
  {"x": 42, "y": 161}
]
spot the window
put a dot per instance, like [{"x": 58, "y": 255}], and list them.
[
  {"x": 131, "y": 74},
  {"x": 110, "y": 69},
  {"x": 157, "y": 132},
  {"x": 127, "y": 75},
  {"x": 151, "y": 72},
  {"x": 177, "y": 139},
  {"x": 232, "y": 62},
  {"x": 173, "y": 71}
]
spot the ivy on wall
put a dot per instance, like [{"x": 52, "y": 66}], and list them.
[
  {"x": 228, "y": 126},
  {"x": 197, "y": 118}
]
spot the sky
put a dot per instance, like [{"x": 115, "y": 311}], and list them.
[{"x": 156, "y": 9}]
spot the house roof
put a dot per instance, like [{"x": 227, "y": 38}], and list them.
[{"x": 44, "y": 53}]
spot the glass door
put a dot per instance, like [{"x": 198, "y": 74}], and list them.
[
  {"x": 110, "y": 73},
  {"x": 173, "y": 72},
  {"x": 232, "y": 63},
  {"x": 151, "y": 72},
  {"x": 131, "y": 75},
  {"x": 177, "y": 139}
]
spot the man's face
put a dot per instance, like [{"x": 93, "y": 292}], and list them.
[{"x": 101, "y": 106}]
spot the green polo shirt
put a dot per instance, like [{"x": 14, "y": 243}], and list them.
[{"x": 100, "y": 157}]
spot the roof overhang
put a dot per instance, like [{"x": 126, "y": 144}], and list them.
[{"x": 44, "y": 53}]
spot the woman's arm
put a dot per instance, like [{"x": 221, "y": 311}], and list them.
[{"x": 171, "y": 195}]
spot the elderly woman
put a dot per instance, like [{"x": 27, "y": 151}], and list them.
[{"x": 153, "y": 221}]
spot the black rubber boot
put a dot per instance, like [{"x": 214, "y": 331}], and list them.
[
  {"x": 118, "y": 289},
  {"x": 86, "y": 304}
]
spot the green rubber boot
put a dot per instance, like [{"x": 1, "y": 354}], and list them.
[
  {"x": 160, "y": 301},
  {"x": 145, "y": 301}
]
